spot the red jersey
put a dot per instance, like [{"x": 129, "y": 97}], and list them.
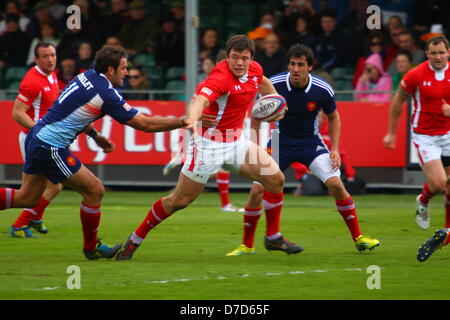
[
  {"x": 38, "y": 91},
  {"x": 428, "y": 87},
  {"x": 230, "y": 97}
]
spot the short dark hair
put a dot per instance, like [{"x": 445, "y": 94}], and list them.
[
  {"x": 41, "y": 44},
  {"x": 108, "y": 56},
  {"x": 240, "y": 42},
  {"x": 436, "y": 40},
  {"x": 300, "y": 50},
  {"x": 405, "y": 53}
]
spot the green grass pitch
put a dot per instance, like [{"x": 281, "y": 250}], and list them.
[{"x": 184, "y": 257}]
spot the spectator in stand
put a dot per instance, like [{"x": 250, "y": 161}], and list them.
[
  {"x": 207, "y": 65},
  {"x": 403, "y": 62},
  {"x": 57, "y": 10},
  {"x": 258, "y": 35},
  {"x": 333, "y": 47},
  {"x": 430, "y": 12},
  {"x": 373, "y": 43},
  {"x": 140, "y": 27},
  {"x": 177, "y": 9},
  {"x": 209, "y": 45},
  {"x": 393, "y": 48},
  {"x": 14, "y": 44},
  {"x": 113, "y": 41},
  {"x": 272, "y": 57},
  {"x": 66, "y": 72},
  {"x": 374, "y": 79},
  {"x": 117, "y": 17},
  {"x": 13, "y": 8},
  {"x": 394, "y": 22},
  {"x": 48, "y": 34},
  {"x": 407, "y": 42},
  {"x": 302, "y": 33},
  {"x": 137, "y": 81},
  {"x": 42, "y": 15},
  {"x": 25, "y": 7},
  {"x": 85, "y": 56},
  {"x": 169, "y": 45}
]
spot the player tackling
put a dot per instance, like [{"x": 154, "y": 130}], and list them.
[{"x": 428, "y": 85}]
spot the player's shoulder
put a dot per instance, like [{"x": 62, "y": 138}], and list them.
[
  {"x": 419, "y": 69},
  {"x": 279, "y": 78},
  {"x": 321, "y": 84},
  {"x": 256, "y": 67},
  {"x": 31, "y": 75}
]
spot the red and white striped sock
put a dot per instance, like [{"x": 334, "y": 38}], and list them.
[
  {"x": 28, "y": 214},
  {"x": 155, "y": 216},
  {"x": 6, "y": 198},
  {"x": 348, "y": 212},
  {"x": 273, "y": 203},
  {"x": 251, "y": 218},
  {"x": 426, "y": 194},
  {"x": 223, "y": 183},
  {"x": 90, "y": 220}
]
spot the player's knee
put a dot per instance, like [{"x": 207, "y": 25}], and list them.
[
  {"x": 275, "y": 183},
  {"x": 96, "y": 192},
  {"x": 182, "y": 202}
]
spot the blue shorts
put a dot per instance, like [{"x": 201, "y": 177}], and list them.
[
  {"x": 303, "y": 150},
  {"x": 56, "y": 164}
]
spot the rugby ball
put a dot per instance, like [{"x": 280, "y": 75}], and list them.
[{"x": 268, "y": 107}]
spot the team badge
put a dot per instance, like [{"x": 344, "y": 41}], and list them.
[
  {"x": 311, "y": 106},
  {"x": 71, "y": 161}
]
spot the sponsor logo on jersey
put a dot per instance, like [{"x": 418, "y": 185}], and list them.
[
  {"x": 127, "y": 107},
  {"x": 427, "y": 83},
  {"x": 237, "y": 87},
  {"x": 311, "y": 106},
  {"x": 206, "y": 91},
  {"x": 71, "y": 161}
]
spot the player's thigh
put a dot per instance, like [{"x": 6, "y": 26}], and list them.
[
  {"x": 85, "y": 183},
  {"x": 260, "y": 166},
  {"x": 322, "y": 168}
]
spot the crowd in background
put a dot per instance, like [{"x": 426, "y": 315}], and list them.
[{"x": 335, "y": 30}]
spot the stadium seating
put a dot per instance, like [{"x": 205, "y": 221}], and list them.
[
  {"x": 12, "y": 88},
  {"x": 156, "y": 77},
  {"x": 175, "y": 73},
  {"x": 14, "y": 74},
  {"x": 145, "y": 60},
  {"x": 176, "y": 85}
]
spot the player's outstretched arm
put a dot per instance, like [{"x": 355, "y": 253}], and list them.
[
  {"x": 399, "y": 99},
  {"x": 157, "y": 123},
  {"x": 19, "y": 114},
  {"x": 106, "y": 144}
]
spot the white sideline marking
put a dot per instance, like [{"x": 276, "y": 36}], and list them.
[
  {"x": 47, "y": 288},
  {"x": 246, "y": 275}
]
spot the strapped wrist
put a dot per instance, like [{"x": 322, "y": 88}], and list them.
[{"x": 93, "y": 133}]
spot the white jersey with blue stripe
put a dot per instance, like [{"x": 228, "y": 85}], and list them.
[
  {"x": 304, "y": 104},
  {"x": 89, "y": 96}
]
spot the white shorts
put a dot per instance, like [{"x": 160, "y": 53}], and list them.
[
  {"x": 431, "y": 147},
  {"x": 205, "y": 157},
  {"x": 322, "y": 168},
  {"x": 22, "y": 137}
]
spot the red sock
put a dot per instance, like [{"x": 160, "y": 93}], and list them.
[
  {"x": 273, "y": 202},
  {"x": 6, "y": 198},
  {"x": 154, "y": 217},
  {"x": 251, "y": 217},
  {"x": 447, "y": 210},
  {"x": 223, "y": 182},
  {"x": 426, "y": 194},
  {"x": 35, "y": 213},
  {"x": 90, "y": 220},
  {"x": 347, "y": 210}
]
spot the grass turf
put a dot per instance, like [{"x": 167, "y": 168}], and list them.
[{"x": 184, "y": 258}]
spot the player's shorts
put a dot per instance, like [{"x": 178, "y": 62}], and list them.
[
  {"x": 431, "y": 147},
  {"x": 56, "y": 164},
  {"x": 205, "y": 157},
  {"x": 311, "y": 151}
]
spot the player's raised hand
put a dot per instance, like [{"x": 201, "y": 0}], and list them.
[
  {"x": 389, "y": 141},
  {"x": 335, "y": 159},
  {"x": 104, "y": 143},
  {"x": 445, "y": 108}
]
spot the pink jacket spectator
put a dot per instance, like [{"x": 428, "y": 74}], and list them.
[{"x": 384, "y": 82}]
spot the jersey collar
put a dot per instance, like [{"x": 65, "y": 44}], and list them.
[{"x": 288, "y": 83}]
